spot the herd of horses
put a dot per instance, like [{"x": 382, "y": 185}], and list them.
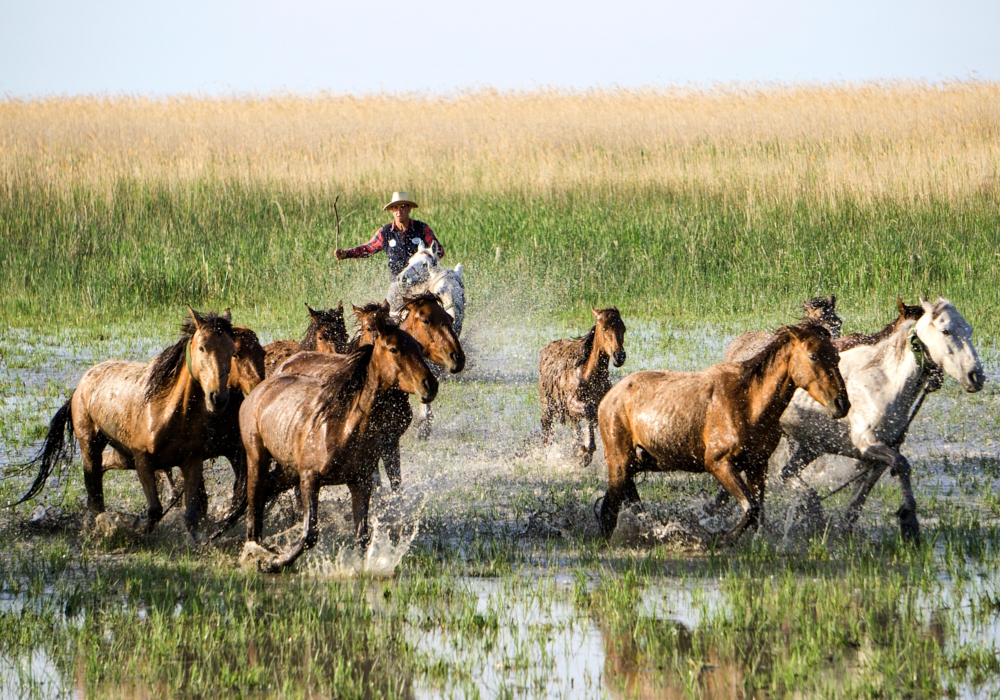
[{"x": 330, "y": 408}]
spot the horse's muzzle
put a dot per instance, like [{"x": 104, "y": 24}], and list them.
[
  {"x": 428, "y": 389},
  {"x": 619, "y": 358},
  {"x": 974, "y": 380},
  {"x": 841, "y": 405},
  {"x": 457, "y": 362},
  {"x": 218, "y": 400}
]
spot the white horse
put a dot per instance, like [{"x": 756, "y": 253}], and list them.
[
  {"x": 884, "y": 381},
  {"x": 423, "y": 275}
]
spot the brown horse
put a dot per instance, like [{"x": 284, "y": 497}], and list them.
[
  {"x": 314, "y": 424},
  {"x": 573, "y": 377},
  {"x": 723, "y": 420},
  {"x": 425, "y": 319},
  {"x": 822, "y": 309},
  {"x": 155, "y": 415},
  {"x": 326, "y": 333},
  {"x": 245, "y": 372}
]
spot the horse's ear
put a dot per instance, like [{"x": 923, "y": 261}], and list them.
[
  {"x": 340, "y": 307},
  {"x": 380, "y": 323},
  {"x": 794, "y": 331},
  {"x": 928, "y": 307},
  {"x": 833, "y": 301},
  {"x": 357, "y": 310},
  {"x": 900, "y": 305},
  {"x": 384, "y": 305},
  {"x": 312, "y": 312},
  {"x": 228, "y": 314},
  {"x": 597, "y": 314},
  {"x": 196, "y": 318}
]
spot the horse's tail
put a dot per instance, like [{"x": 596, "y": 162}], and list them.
[{"x": 56, "y": 449}]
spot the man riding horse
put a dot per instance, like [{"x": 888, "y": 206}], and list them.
[{"x": 399, "y": 239}]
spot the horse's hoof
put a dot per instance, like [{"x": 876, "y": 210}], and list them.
[{"x": 909, "y": 526}]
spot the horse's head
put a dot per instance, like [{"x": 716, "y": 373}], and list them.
[
  {"x": 948, "y": 339},
  {"x": 209, "y": 356},
  {"x": 814, "y": 365},
  {"x": 365, "y": 315},
  {"x": 398, "y": 360},
  {"x": 420, "y": 266},
  {"x": 425, "y": 319},
  {"x": 823, "y": 310},
  {"x": 907, "y": 312},
  {"x": 609, "y": 333},
  {"x": 327, "y": 331},
  {"x": 247, "y": 368}
]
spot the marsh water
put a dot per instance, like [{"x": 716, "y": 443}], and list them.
[{"x": 487, "y": 576}]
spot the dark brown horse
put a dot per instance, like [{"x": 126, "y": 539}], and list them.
[
  {"x": 155, "y": 415},
  {"x": 326, "y": 333},
  {"x": 723, "y": 420},
  {"x": 313, "y": 423},
  {"x": 821, "y": 309},
  {"x": 245, "y": 373},
  {"x": 573, "y": 378}
]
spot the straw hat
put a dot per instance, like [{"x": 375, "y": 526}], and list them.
[{"x": 399, "y": 198}]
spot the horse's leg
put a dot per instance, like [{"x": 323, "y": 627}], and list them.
[
  {"x": 238, "y": 460},
  {"x": 880, "y": 457},
  {"x": 728, "y": 475},
  {"x": 620, "y": 456},
  {"x": 361, "y": 494},
  {"x": 591, "y": 442},
  {"x": 258, "y": 462},
  {"x": 390, "y": 458},
  {"x": 147, "y": 478},
  {"x": 309, "y": 486},
  {"x": 755, "y": 481},
  {"x": 194, "y": 487},
  {"x": 92, "y": 448},
  {"x": 547, "y": 414},
  {"x": 425, "y": 420}
]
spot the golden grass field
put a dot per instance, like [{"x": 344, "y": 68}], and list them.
[{"x": 868, "y": 142}]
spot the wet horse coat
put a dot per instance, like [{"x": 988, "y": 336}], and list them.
[
  {"x": 326, "y": 333},
  {"x": 312, "y": 420},
  {"x": 821, "y": 309},
  {"x": 573, "y": 377},
  {"x": 723, "y": 420}
]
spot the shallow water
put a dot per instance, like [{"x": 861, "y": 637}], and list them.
[{"x": 483, "y": 483}]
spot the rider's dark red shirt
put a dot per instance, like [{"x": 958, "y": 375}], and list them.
[{"x": 398, "y": 245}]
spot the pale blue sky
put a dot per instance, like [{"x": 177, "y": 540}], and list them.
[{"x": 210, "y": 46}]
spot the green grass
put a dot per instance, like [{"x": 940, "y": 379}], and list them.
[{"x": 141, "y": 252}]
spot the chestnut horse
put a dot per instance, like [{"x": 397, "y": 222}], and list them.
[
  {"x": 425, "y": 319},
  {"x": 155, "y": 415},
  {"x": 326, "y": 333},
  {"x": 723, "y": 420},
  {"x": 245, "y": 373},
  {"x": 573, "y": 377},
  {"x": 314, "y": 424},
  {"x": 822, "y": 309}
]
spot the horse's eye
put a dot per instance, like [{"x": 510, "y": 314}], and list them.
[
  {"x": 946, "y": 332},
  {"x": 812, "y": 356},
  {"x": 394, "y": 350}
]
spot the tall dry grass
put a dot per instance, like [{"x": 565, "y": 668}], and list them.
[{"x": 868, "y": 142}]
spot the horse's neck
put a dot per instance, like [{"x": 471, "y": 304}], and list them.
[
  {"x": 771, "y": 390},
  {"x": 597, "y": 362},
  {"x": 361, "y": 405},
  {"x": 182, "y": 404},
  {"x": 897, "y": 364}
]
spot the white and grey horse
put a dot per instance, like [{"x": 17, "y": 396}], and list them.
[
  {"x": 423, "y": 275},
  {"x": 884, "y": 381}
]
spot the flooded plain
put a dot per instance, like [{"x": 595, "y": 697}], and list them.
[{"x": 487, "y": 576}]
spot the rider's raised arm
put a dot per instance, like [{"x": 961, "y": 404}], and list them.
[
  {"x": 376, "y": 244},
  {"x": 431, "y": 240}
]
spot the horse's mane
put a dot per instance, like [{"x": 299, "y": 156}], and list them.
[
  {"x": 341, "y": 387},
  {"x": 588, "y": 345},
  {"x": 756, "y": 365},
  {"x": 329, "y": 317},
  {"x": 423, "y": 296},
  {"x": 370, "y": 307},
  {"x": 818, "y": 303},
  {"x": 853, "y": 340},
  {"x": 164, "y": 367}
]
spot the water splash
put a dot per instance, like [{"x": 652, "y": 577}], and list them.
[{"x": 395, "y": 523}]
